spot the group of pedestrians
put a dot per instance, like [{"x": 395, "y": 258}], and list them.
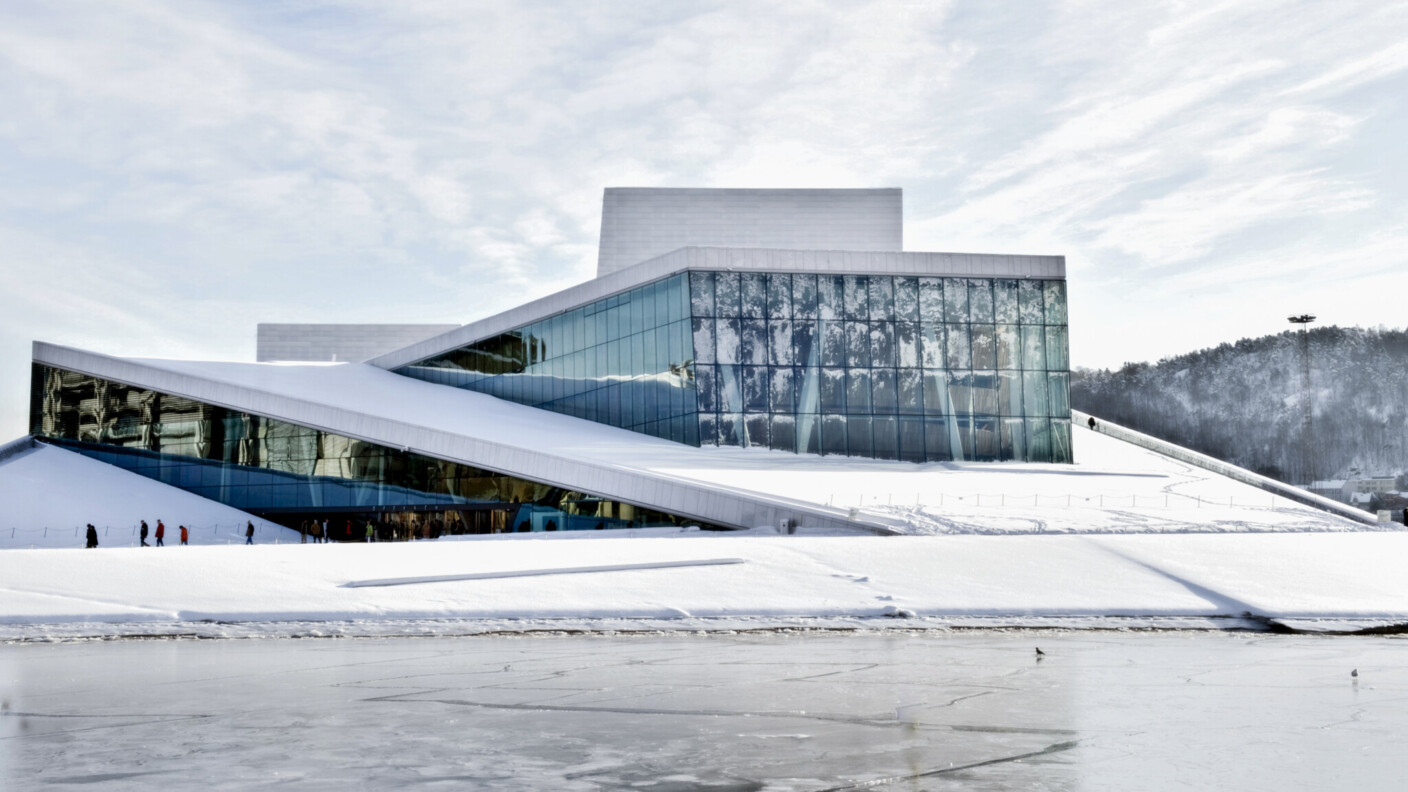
[
  {"x": 320, "y": 531},
  {"x": 143, "y": 533}
]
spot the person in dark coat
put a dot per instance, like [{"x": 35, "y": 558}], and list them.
[
  {"x": 1091, "y": 422},
  {"x": 249, "y": 533},
  {"x": 92, "y": 536},
  {"x": 144, "y": 534},
  {"x": 160, "y": 533}
]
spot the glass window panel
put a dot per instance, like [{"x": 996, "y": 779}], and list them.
[
  {"x": 936, "y": 442},
  {"x": 960, "y": 392},
  {"x": 1014, "y": 439},
  {"x": 885, "y": 430},
  {"x": 637, "y": 355},
  {"x": 985, "y": 439},
  {"x": 858, "y": 436},
  {"x": 857, "y": 344},
  {"x": 984, "y": 343},
  {"x": 833, "y": 390},
  {"x": 637, "y": 312},
  {"x": 806, "y": 349},
  {"x": 1009, "y": 393},
  {"x": 704, "y": 379},
  {"x": 755, "y": 295},
  {"x": 730, "y": 389},
  {"x": 727, "y": 341},
  {"x": 856, "y": 292},
  {"x": 781, "y": 398},
  {"x": 1061, "y": 441},
  {"x": 1034, "y": 394},
  {"x": 857, "y": 391},
  {"x": 779, "y": 287},
  {"x": 959, "y": 354},
  {"x": 676, "y": 304},
  {"x": 907, "y": 299},
  {"x": 1004, "y": 299},
  {"x": 883, "y": 391},
  {"x": 1054, "y": 293},
  {"x": 649, "y": 353},
  {"x": 1009, "y": 347},
  {"x": 731, "y": 432},
  {"x": 1056, "y": 349},
  {"x": 907, "y": 344},
  {"x": 783, "y": 433},
  {"x": 931, "y": 345},
  {"x": 833, "y": 434},
  {"x": 830, "y": 297},
  {"x": 931, "y": 300},
  {"x": 935, "y": 392},
  {"x": 882, "y": 344},
  {"x": 726, "y": 294},
  {"x": 911, "y": 439},
  {"x": 804, "y": 296},
  {"x": 1058, "y": 390},
  {"x": 753, "y": 347},
  {"x": 1038, "y": 440},
  {"x": 1030, "y": 302},
  {"x": 757, "y": 427},
  {"x": 1033, "y": 347},
  {"x": 985, "y": 392},
  {"x": 755, "y": 389},
  {"x": 807, "y": 386},
  {"x": 910, "y": 385},
  {"x": 960, "y": 438},
  {"x": 955, "y": 300},
  {"x": 980, "y": 307},
  {"x": 708, "y": 429},
  {"x": 833, "y": 343},
  {"x": 780, "y": 342},
  {"x": 882, "y": 297},
  {"x": 809, "y": 434}
]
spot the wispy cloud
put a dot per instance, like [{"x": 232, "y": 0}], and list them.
[{"x": 183, "y": 170}]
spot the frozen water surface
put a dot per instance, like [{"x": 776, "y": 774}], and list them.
[{"x": 905, "y": 711}]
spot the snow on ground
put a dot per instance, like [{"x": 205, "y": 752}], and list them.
[
  {"x": 999, "y": 579},
  {"x": 48, "y": 495},
  {"x": 1112, "y": 487}
]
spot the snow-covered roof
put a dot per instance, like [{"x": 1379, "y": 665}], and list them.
[
  {"x": 1113, "y": 486},
  {"x": 49, "y": 494}
]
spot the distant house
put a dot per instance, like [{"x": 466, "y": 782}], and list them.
[{"x": 1334, "y": 489}]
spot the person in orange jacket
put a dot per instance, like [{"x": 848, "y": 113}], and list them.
[
  {"x": 160, "y": 533},
  {"x": 184, "y": 534}
]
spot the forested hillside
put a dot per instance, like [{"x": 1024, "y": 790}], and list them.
[{"x": 1241, "y": 402}]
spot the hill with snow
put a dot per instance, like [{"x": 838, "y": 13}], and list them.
[{"x": 1242, "y": 402}]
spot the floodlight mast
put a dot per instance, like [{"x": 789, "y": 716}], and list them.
[{"x": 1307, "y": 428}]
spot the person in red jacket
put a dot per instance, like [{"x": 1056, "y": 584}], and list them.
[
  {"x": 160, "y": 533},
  {"x": 184, "y": 534}
]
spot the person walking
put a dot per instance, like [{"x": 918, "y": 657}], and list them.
[
  {"x": 160, "y": 533},
  {"x": 185, "y": 535},
  {"x": 144, "y": 534},
  {"x": 347, "y": 532},
  {"x": 249, "y": 533},
  {"x": 92, "y": 536},
  {"x": 371, "y": 532},
  {"x": 327, "y": 535},
  {"x": 1091, "y": 422},
  {"x": 303, "y": 532}
]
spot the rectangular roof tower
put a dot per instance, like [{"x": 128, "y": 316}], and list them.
[{"x": 640, "y": 223}]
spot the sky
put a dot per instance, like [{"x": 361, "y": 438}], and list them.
[{"x": 173, "y": 173}]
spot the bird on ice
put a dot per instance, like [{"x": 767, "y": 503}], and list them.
[
  {"x": 1040, "y": 654},
  {"x": 1354, "y": 673}
]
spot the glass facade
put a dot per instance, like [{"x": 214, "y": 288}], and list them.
[
  {"x": 623, "y": 361},
  {"x": 889, "y": 367},
  {"x": 285, "y": 471}
]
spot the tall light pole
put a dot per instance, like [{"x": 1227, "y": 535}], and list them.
[{"x": 1307, "y": 430}]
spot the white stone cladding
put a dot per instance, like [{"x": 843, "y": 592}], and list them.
[
  {"x": 640, "y": 223},
  {"x": 338, "y": 342}
]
